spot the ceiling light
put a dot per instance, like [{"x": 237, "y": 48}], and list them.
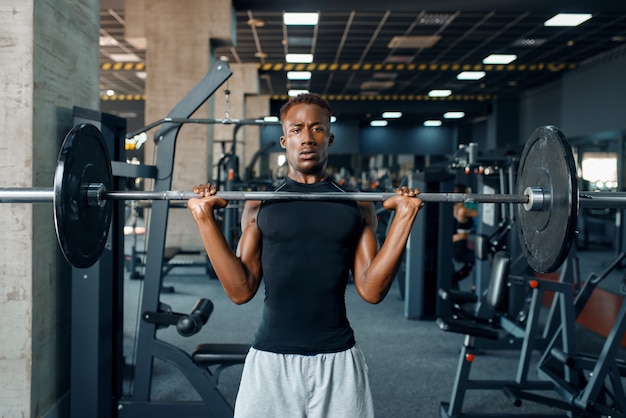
[
  {"x": 142, "y": 75},
  {"x": 385, "y": 76},
  {"x": 270, "y": 119},
  {"x": 378, "y": 123},
  {"x": 299, "y": 58},
  {"x": 413, "y": 42},
  {"x": 453, "y": 115},
  {"x": 333, "y": 119},
  {"x": 300, "y": 18},
  {"x": 377, "y": 85},
  {"x": 500, "y": 59},
  {"x": 439, "y": 93},
  {"x": 567, "y": 19},
  {"x": 470, "y": 75},
  {"x": 294, "y": 92},
  {"x": 398, "y": 59},
  {"x": 432, "y": 123},
  {"x": 124, "y": 57},
  {"x": 392, "y": 115},
  {"x": 298, "y": 75},
  {"x": 110, "y": 92},
  {"x": 108, "y": 41}
]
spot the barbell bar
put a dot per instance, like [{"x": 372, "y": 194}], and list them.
[
  {"x": 97, "y": 195},
  {"x": 547, "y": 194}
]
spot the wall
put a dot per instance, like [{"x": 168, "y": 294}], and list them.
[
  {"x": 352, "y": 139},
  {"x": 593, "y": 96},
  {"x": 16, "y": 156},
  {"x": 49, "y": 63},
  {"x": 539, "y": 107},
  {"x": 587, "y": 101}
]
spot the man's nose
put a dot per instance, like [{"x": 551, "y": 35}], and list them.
[{"x": 308, "y": 138}]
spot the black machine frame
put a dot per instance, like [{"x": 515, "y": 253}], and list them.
[{"x": 97, "y": 361}]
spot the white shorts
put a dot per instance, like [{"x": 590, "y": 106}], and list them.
[{"x": 332, "y": 385}]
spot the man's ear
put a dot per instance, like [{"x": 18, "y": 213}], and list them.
[
  {"x": 282, "y": 142},
  {"x": 331, "y": 139}
]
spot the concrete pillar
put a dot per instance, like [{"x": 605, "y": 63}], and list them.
[
  {"x": 257, "y": 106},
  {"x": 179, "y": 37},
  {"x": 242, "y": 84},
  {"x": 49, "y": 62}
]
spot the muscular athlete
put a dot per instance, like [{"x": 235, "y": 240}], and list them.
[{"x": 305, "y": 361}]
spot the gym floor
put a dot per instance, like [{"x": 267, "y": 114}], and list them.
[{"x": 412, "y": 363}]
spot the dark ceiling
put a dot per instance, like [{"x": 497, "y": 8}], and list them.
[{"x": 362, "y": 66}]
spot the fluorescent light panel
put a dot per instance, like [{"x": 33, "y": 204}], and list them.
[
  {"x": 299, "y": 58},
  {"x": 567, "y": 19},
  {"x": 470, "y": 75},
  {"x": 392, "y": 115},
  {"x": 432, "y": 123},
  {"x": 293, "y": 92},
  {"x": 298, "y": 75},
  {"x": 439, "y": 93},
  {"x": 453, "y": 115},
  {"x": 124, "y": 57},
  {"x": 301, "y": 19},
  {"x": 270, "y": 119},
  {"x": 500, "y": 59},
  {"x": 378, "y": 123},
  {"x": 108, "y": 41}
]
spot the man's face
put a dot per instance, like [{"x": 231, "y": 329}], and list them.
[{"x": 306, "y": 138}]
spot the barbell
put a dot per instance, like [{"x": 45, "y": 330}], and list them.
[{"x": 547, "y": 194}]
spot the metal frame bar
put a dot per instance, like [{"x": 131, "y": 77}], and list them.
[
  {"x": 602, "y": 368},
  {"x": 521, "y": 387},
  {"x": 149, "y": 347}
]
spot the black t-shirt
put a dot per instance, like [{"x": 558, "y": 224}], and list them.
[{"x": 308, "y": 251}]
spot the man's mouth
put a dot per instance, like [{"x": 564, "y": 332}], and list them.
[{"x": 307, "y": 153}]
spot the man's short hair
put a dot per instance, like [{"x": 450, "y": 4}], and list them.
[{"x": 306, "y": 98}]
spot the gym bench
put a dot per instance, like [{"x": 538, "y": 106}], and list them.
[{"x": 196, "y": 368}]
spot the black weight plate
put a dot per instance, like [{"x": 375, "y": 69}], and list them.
[
  {"x": 546, "y": 236},
  {"x": 82, "y": 230}
]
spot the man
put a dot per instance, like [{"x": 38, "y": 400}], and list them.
[
  {"x": 463, "y": 223},
  {"x": 304, "y": 361}
]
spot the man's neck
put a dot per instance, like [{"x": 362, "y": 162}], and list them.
[{"x": 308, "y": 178}]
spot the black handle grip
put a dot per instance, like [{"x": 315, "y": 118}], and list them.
[{"x": 191, "y": 324}]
